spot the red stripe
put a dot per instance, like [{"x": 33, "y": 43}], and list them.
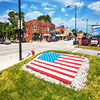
[
  {"x": 66, "y": 65},
  {"x": 68, "y": 62},
  {"x": 48, "y": 74},
  {"x": 53, "y": 70},
  {"x": 55, "y": 66},
  {"x": 73, "y": 56},
  {"x": 71, "y": 59}
]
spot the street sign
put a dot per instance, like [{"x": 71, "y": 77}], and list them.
[{"x": 19, "y": 24}]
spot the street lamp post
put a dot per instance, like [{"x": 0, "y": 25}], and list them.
[
  {"x": 20, "y": 47},
  {"x": 86, "y": 25},
  {"x": 75, "y": 17}
]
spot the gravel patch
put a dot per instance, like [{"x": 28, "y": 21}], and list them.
[{"x": 78, "y": 83}]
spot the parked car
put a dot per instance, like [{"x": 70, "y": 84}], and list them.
[
  {"x": 1, "y": 41},
  {"x": 66, "y": 39},
  {"x": 50, "y": 40},
  {"x": 7, "y": 42},
  {"x": 75, "y": 42},
  {"x": 55, "y": 39},
  {"x": 16, "y": 41},
  {"x": 85, "y": 41},
  {"x": 94, "y": 41}
]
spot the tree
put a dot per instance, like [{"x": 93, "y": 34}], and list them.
[
  {"x": 74, "y": 32},
  {"x": 46, "y": 18},
  {"x": 13, "y": 18},
  {"x": 5, "y": 30}
]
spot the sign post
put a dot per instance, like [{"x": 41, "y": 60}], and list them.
[{"x": 62, "y": 35}]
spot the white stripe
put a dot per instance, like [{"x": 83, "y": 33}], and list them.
[
  {"x": 51, "y": 72},
  {"x": 62, "y": 66},
  {"x": 69, "y": 60},
  {"x": 71, "y": 57},
  {"x": 57, "y": 69},
  {"x": 67, "y": 63},
  {"x": 76, "y": 50}
]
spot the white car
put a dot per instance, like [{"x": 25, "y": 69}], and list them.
[
  {"x": 94, "y": 41},
  {"x": 7, "y": 42}
]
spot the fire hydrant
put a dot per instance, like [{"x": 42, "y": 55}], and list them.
[{"x": 33, "y": 52}]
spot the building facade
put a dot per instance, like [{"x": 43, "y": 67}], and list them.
[{"x": 38, "y": 30}]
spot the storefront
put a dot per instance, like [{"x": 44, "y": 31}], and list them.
[{"x": 36, "y": 36}]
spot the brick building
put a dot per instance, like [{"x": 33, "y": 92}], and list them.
[{"x": 38, "y": 30}]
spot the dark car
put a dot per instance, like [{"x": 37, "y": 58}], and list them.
[
  {"x": 55, "y": 39},
  {"x": 66, "y": 39},
  {"x": 2, "y": 41},
  {"x": 85, "y": 41},
  {"x": 75, "y": 42}
]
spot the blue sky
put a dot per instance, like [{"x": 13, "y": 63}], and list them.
[{"x": 60, "y": 14}]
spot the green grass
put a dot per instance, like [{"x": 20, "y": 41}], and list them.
[
  {"x": 17, "y": 84},
  {"x": 89, "y": 47}
]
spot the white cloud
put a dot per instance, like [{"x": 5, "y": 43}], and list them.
[
  {"x": 45, "y": 4},
  {"x": 79, "y": 4},
  {"x": 66, "y": 14},
  {"x": 4, "y": 17},
  {"x": 59, "y": 21},
  {"x": 6, "y": 0},
  {"x": 67, "y": 2},
  {"x": 54, "y": 6},
  {"x": 46, "y": 8},
  {"x": 63, "y": 9},
  {"x": 34, "y": 7},
  {"x": 24, "y": 6},
  {"x": 73, "y": 19},
  {"x": 95, "y": 6},
  {"x": 51, "y": 13},
  {"x": 32, "y": 15},
  {"x": 7, "y": 11}
]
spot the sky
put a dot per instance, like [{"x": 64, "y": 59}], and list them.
[{"x": 58, "y": 11}]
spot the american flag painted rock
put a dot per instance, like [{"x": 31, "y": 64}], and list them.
[{"x": 63, "y": 67}]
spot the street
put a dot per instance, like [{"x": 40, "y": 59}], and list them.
[{"x": 9, "y": 54}]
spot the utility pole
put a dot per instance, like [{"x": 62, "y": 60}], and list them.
[
  {"x": 75, "y": 18},
  {"x": 20, "y": 47},
  {"x": 86, "y": 25}
]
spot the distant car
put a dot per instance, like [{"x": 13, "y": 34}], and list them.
[
  {"x": 85, "y": 41},
  {"x": 7, "y": 42},
  {"x": 94, "y": 41},
  {"x": 50, "y": 40},
  {"x": 66, "y": 39},
  {"x": 55, "y": 39},
  {"x": 16, "y": 41},
  {"x": 1, "y": 41},
  {"x": 75, "y": 42}
]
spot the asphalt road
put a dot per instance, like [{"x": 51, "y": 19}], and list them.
[{"x": 9, "y": 54}]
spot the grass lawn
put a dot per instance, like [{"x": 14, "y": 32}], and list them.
[
  {"x": 89, "y": 47},
  {"x": 17, "y": 84}
]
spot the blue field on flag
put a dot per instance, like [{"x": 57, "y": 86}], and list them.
[{"x": 63, "y": 67}]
